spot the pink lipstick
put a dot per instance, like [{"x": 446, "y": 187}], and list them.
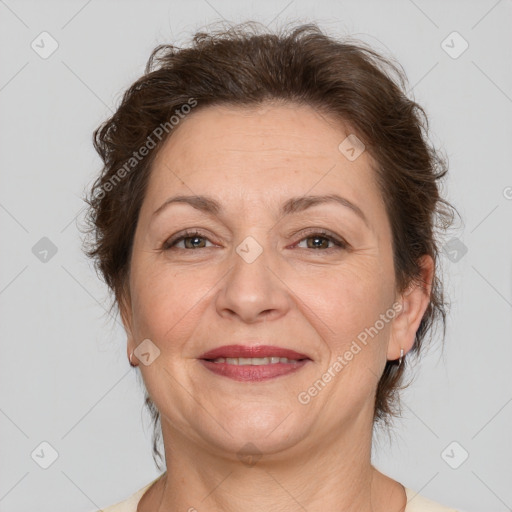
[{"x": 253, "y": 363}]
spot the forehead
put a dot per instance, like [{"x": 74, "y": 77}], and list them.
[{"x": 264, "y": 153}]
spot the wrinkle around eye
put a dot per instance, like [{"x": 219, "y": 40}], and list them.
[{"x": 287, "y": 231}]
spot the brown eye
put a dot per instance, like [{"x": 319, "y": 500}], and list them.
[
  {"x": 320, "y": 241},
  {"x": 193, "y": 240}
]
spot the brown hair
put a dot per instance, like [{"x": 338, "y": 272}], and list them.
[{"x": 243, "y": 65}]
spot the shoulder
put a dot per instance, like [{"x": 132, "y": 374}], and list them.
[
  {"x": 130, "y": 503},
  {"x": 418, "y": 503}
]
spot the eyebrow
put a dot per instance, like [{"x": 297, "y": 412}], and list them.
[{"x": 293, "y": 205}]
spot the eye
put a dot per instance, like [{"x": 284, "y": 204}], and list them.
[
  {"x": 320, "y": 240},
  {"x": 192, "y": 240}
]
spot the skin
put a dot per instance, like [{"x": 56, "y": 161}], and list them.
[{"x": 301, "y": 293}]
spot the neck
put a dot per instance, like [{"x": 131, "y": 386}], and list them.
[{"x": 335, "y": 475}]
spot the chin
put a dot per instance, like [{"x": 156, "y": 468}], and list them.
[{"x": 264, "y": 430}]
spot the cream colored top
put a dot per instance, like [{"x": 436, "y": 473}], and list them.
[{"x": 415, "y": 502}]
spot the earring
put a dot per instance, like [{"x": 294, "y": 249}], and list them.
[
  {"x": 130, "y": 358},
  {"x": 401, "y": 357}
]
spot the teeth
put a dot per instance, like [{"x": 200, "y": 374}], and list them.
[{"x": 244, "y": 361}]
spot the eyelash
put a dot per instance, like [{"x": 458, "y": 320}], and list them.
[{"x": 318, "y": 233}]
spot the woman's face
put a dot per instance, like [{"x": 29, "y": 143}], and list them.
[{"x": 263, "y": 271}]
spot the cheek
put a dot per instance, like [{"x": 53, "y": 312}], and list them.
[
  {"x": 345, "y": 301},
  {"x": 166, "y": 303}
]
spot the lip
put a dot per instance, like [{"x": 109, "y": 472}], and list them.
[
  {"x": 253, "y": 373},
  {"x": 252, "y": 351}
]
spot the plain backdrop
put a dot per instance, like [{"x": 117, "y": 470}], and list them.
[{"x": 68, "y": 398}]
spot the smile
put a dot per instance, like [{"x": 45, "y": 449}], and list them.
[{"x": 254, "y": 361}]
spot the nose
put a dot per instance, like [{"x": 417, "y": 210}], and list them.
[{"x": 253, "y": 290}]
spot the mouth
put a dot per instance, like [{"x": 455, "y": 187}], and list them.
[{"x": 253, "y": 363}]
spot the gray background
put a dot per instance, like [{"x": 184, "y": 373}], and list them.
[{"x": 64, "y": 374}]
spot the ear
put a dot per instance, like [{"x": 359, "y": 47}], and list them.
[
  {"x": 414, "y": 302},
  {"x": 125, "y": 311}
]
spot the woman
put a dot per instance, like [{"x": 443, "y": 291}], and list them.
[{"x": 266, "y": 219}]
